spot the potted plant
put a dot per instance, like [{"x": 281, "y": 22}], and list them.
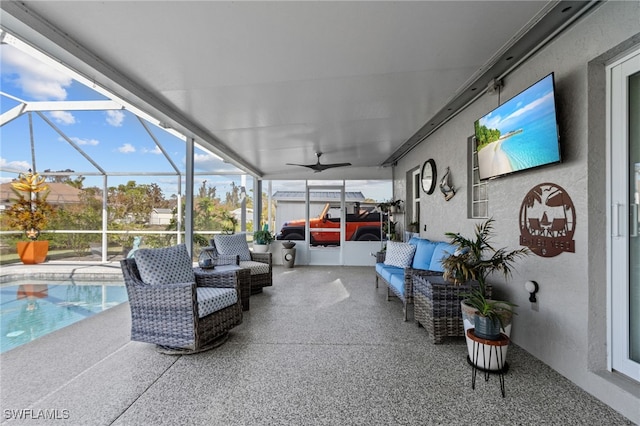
[
  {"x": 261, "y": 239},
  {"x": 391, "y": 206},
  {"x": 475, "y": 259},
  {"x": 30, "y": 212}
]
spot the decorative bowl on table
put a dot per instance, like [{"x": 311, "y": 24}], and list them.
[
  {"x": 205, "y": 261},
  {"x": 288, "y": 244}
]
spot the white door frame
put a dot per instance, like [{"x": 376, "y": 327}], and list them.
[{"x": 618, "y": 223}]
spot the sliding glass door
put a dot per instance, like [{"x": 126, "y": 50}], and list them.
[{"x": 624, "y": 190}]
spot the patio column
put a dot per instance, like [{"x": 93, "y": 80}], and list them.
[{"x": 188, "y": 214}]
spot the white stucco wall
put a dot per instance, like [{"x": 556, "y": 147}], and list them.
[{"x": 566, "y": 329}]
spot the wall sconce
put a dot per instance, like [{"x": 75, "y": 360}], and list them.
[{"x": 532, "y": 288}]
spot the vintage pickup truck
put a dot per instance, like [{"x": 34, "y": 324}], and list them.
[{"x": 361, "y": 225}]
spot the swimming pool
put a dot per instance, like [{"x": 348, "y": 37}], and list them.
[{"x": 33, "y": 309}]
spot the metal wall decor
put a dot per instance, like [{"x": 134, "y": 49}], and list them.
[
  {"x": 547, "y": 220},
  {"x": 429, "y": 176},
  {"x": 445, "y": 186}
]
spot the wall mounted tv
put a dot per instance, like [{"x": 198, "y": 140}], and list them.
[{"x": 520, "y": 134}]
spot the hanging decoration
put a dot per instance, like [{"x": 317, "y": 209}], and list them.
[
  {"x": 446, "y": 187},
  {"x": 547, "y": 220}
]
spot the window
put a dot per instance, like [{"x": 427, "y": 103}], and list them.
[
  {"x": 478, "y": 196},
  {"x": 415, "y": 214}
]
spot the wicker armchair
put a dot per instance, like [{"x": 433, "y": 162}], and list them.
[
  {"x": 169, "y": 315},
  {"x": 260, "y": 264}
]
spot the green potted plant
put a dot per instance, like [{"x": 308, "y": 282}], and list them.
[
  {"x": 475, "y": 259},
  {"x": 261, "y": 239},
  {"x": 391, "y": 206},
  {"x": 30, "y": 212}
]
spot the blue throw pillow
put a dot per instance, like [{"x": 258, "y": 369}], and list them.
[
  {"x": 442, "y": 250},
  {"x": 424, "y": 253}
]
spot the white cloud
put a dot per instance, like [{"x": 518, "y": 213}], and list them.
[
  {"x": 63, "y": 117},
  {"x": 80, "y": 141},
  {"x": 531, "y": 106},
  {"x": 16, "y": 165},
  {"x": 115, "y": 118},
  {"x": 208, "y": 162},
  {"x": 33, "y": 77},
  {"x": 127, "y": 148},
  {"x": 155, "y": 150}
]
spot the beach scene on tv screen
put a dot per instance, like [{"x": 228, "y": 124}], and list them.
[{"x": 520, "y": 134}]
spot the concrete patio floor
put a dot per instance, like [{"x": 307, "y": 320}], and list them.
[{"x": 320, "y": 347}]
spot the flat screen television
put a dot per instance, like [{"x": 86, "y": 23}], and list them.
[{"x": 520, "y": 134}]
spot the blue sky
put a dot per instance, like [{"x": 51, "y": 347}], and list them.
[
  {"x": 523, "y": 108},
  {"x": 115, "y": 140}
]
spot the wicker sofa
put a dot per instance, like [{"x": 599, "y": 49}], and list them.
[
  {"x": 260, "y": 264},
  {"x": 174, "y": 308},
  {"x": 402, "y": 262}
]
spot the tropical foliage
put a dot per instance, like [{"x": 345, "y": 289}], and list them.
[
  {"x": 263, "y": 236},
  {"x": 485, "y": 135},
  {"x": 29, "y": 212},
  {"x": 475, "y": 259}
]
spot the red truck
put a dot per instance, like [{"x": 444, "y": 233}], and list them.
[{"x": 361, "y": 225}]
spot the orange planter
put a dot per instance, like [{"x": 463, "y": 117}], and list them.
[{"x": 32, "y": 252}]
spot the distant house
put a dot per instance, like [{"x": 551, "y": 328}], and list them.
[
  {"x": 160, "y": 216},
  {"x": 60, "y": 194}
]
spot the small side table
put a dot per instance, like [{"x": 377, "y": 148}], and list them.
[
  {"x": 490, "y": 349},
  {"x": 244, "y": 279}
]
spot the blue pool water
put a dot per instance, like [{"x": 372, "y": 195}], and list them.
[{"x": 29, "y": 311}]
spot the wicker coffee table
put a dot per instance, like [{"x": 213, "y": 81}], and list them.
[{"x": 437, "y": 306}]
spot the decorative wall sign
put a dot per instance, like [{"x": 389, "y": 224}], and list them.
[{"x": 547, "y": 220}]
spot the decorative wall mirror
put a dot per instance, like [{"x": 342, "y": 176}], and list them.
[{"x": 429, "y": 176}]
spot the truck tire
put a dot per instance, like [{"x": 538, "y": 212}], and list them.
[
  {"x": 366, "y": 233},
  {"x": 293, "y": 236},
  {"x": 368, "y": 237}
]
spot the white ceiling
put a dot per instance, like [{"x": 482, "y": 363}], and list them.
[{"x": 267, "y": 83}]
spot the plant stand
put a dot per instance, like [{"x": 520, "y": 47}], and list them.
[
  {"x": 288, "y": 257},
  {"x": 491, "y": 355}
]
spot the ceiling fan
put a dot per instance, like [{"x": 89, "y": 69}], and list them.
[{"x": 317, "y": 167}]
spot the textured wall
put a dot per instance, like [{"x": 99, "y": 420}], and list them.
[{"x": 567, "y": 327}]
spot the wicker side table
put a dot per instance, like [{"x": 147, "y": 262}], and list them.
[
  {"x": 437, "y": 306},
  {"x": 224, "y": 271}
]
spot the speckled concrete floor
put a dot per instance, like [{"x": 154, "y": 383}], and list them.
[{"x": 320, "y": 347}]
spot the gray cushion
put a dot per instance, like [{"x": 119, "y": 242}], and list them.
[
  {"x": 235, "y": 244},
  {"x": 257, "y": 268},
  {"x": 214, "y": 299},
  {"x": 168, "y": 265}
]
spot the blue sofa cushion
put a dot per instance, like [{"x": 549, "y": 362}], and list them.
[
  {"x": 441, "y": 250},
  {"x": 399, "y": 254},
  {"x": 386, "y": 271},
  {"x": 397, "y": 281},
  {"x": 424, "y": 253}
]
